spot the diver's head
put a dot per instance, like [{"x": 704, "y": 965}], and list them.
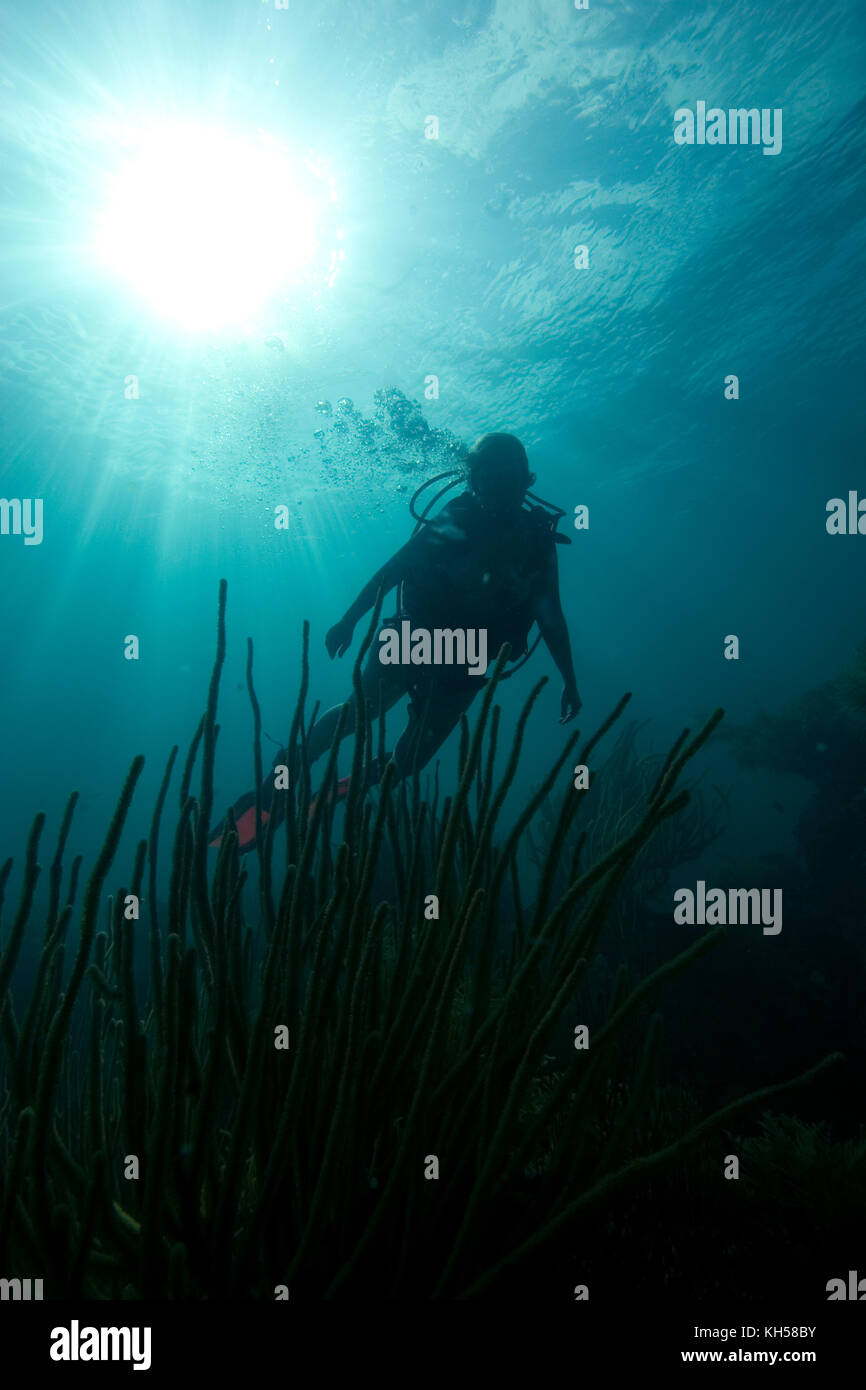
[{"x": 499, "y": 472}]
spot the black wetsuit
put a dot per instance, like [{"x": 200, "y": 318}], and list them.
[{"x": 464, "y": 569}]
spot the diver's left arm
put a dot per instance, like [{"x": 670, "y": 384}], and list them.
[
  {"x": 340, "y": 636},
  {"x": 554, "y": 630}
]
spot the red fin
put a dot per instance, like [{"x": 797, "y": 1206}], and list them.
[
  {"x": 246, "y": 828},
  {"x": 340, "y": 794}
]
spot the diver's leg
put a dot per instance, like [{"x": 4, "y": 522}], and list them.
[
  {"x": 322, "y": 734},
  {"x": 381, "y": 689},
  {"x": 429, "y": 726}
]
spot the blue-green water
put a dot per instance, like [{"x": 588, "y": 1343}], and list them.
[{"x": 707, "y": 515}]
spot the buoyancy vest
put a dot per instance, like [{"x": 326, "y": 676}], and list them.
[{"x": 467, "y": 569}]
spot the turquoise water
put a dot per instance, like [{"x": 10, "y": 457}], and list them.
[{"x": 707, "y": 515}]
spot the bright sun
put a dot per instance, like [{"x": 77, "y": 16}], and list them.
[{"x": 205, "y": 226}]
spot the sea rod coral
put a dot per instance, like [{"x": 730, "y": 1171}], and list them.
[{"x": 343, "y": 1100}]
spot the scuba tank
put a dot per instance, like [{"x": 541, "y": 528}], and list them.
[{"x": 544, "y": 513}]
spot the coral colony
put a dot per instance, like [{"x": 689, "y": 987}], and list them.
[{"x": 352, "y": 1096}]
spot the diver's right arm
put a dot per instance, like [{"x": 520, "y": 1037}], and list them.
[{"x": 339, "y": 638}]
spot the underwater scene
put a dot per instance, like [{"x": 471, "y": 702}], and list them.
[{"x": 433, "y": 701}]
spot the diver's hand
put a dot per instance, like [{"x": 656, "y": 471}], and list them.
[
  {"x": 571, "y": 703},
  {"x": 339, "y": 639}
]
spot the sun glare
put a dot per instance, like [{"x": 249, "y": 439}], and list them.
[{"x": 205, "y": 226}]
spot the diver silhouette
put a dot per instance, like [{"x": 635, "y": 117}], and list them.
[{"x": 486, "y": 561}]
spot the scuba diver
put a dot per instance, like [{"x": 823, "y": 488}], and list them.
[{"x": 486, "y": 561}]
